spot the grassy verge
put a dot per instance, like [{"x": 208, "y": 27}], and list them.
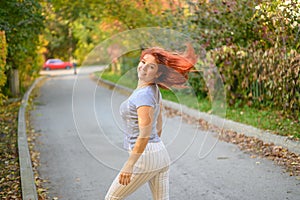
[{"x": 268, "y": 119}]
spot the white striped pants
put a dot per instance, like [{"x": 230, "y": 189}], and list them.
[{"x": 151, "y": 167}]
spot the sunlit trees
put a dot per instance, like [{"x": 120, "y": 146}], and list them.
[
  {"x": 255, "y": 45},
  {"x": 3, "y": 53},
  {"x": 22, "y": 23},
  {"x": 74, "y": 28}
]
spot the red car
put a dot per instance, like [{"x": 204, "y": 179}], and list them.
[{"x": 57, "y": 64}]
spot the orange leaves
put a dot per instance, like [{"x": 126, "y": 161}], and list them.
[
  {"x": 32, "y": 135},
  {"x": 10, "y": 186}
]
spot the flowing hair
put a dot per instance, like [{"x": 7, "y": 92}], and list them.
[{"x": 173, "y": 67}]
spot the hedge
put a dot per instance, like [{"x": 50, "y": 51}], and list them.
[{"x": 261, "y": 78}]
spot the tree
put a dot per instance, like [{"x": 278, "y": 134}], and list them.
[
  {"x": 22, "y": 22},
  {"x": 75, "y": 28}
]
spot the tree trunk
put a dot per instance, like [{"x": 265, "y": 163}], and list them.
[{"x": 14, "y": 83}]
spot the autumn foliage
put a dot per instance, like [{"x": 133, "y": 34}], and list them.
[
  {"x": 3, "y": 53},
  {"x": 261, "y": 78},
  {"x": 255, "y": 46},
  {"x": 10, "y": 185}
]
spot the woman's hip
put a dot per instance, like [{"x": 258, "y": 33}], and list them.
[{"x": 155, "y": 157}]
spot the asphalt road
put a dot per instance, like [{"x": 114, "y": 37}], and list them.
[{"x": 80, "y": 146}]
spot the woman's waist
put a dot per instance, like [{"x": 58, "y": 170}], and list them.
[
  {"x": 132, "y": 136},
  {"x": 152, "y": 146}
]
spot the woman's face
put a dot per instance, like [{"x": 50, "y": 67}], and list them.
[{"x": 147, "y": 69}]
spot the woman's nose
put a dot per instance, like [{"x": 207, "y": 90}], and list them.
[{"x": 144, "y": 67}]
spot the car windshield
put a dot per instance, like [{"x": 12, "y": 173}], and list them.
[{"x": 55, "y": 61}]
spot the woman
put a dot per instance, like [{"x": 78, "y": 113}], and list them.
[{"x": 141, "y": 113}]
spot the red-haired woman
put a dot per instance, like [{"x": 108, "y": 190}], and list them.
[{"x": 141, "y": 113}]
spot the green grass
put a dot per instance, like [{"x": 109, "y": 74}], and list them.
[{"x": 267, "y": 119}]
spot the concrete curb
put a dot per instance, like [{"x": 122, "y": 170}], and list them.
[
  {"x": 27, "y": 178},
  {"x": 266, "y": 137}
]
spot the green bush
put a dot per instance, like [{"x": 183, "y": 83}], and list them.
[
  {"x": 255, "y": 45},
  {"x": 261, "y": 78},
  {"x": 22, "y": 22},
  {"x": 3, "y": 53},
  {"x": 278, "y": 23},
  {"x": 197, "y": 82}
]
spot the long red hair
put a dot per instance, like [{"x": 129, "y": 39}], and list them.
[{"x": 173, "y": 66}]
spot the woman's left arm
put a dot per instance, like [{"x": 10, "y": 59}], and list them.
[
  {"x": 159, "y": 121},
  {"x": 145, "y": 119}
]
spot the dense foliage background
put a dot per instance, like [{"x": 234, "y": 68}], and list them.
[
  {"x": 253, "y": 43},
  {"x": 255, "y": 46},
  {"x": 22, "y": 22}
]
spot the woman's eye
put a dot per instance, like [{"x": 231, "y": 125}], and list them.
[
  {"x": 143, "y": 62},
  {"x": 152, "y": 66}
]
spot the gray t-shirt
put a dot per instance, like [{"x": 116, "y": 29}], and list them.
[{"x": 146, "y": 96}]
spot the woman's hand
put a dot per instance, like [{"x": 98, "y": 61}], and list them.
[{"x": 125, "y": 175}]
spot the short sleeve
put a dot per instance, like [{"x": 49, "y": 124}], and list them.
[{"x": 144, "y": 98}]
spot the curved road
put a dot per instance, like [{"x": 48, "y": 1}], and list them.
[{"x": 80, "y": 146}]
